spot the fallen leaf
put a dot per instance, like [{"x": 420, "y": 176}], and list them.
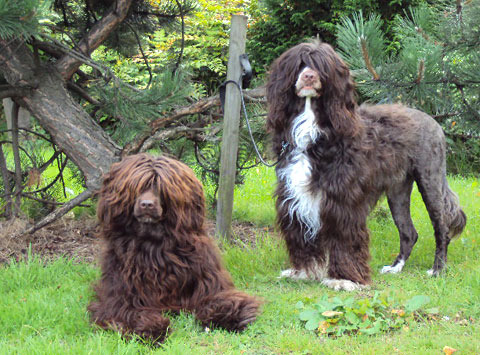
[
  {"x": 399, "y": 312},
  {"x": 331, "y": 313},
  {"x": 448, "y": 350},
  {"x": 322, "y": 327}
]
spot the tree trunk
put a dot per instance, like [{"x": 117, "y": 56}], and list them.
[{"x": 71, "y": 128}]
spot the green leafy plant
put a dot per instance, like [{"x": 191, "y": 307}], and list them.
[{"x": 337, "y": 317}]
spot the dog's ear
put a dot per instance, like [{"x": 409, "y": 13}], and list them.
[
  {"x": 110, "y": 205},
  {"x": 182, "y": 195},
  {"x": 338, "y": 95},
  {"x": 280, "y": 88},
  {"x": 281, "y": 97}
]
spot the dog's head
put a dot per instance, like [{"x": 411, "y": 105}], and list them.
[
  {"x": 151, "y": 192},
  {"x": 313, "y": 70}
]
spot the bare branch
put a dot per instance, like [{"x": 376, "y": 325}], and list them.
[
  {"x": 83, "y": 93},
  {"x": 200, "y": 106},
  {"x": 59, "y": 212},
  {"x": 16, "y": 158},
  {"x": 182, "y": 46},
  {"x": 6, "y": 183},
  {"x": 11, "y": 91},
  {"x": 421, "y": 71},
  {"x": 105, "y": 70},
  {"x": 30, "y": 196},
  {"x": 28, "y": 131},
  {"x": 142, "y": 52}
]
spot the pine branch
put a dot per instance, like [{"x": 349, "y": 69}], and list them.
[
  {"x": 471, "y": 109},
  {"x": 68, "y": 64},
  {"x": 366, "y": 59}
]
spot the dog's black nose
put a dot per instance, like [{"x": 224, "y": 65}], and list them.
[{"x": 308, "y": 75}]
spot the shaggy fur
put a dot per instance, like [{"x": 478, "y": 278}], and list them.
[
  {"x": 337, "y": 159},
  {"x": 158, "y": 256}
]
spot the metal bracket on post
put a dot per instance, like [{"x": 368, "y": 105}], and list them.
[{"x": 246, "y": 77}]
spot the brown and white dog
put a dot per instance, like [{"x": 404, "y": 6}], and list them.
[{"x": 337, "y": 159}]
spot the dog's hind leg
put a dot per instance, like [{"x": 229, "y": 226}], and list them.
[
  {"x": 399, "y": 203},
  {"x": 230, "y": 309},
  {"x": 431, "y": 181}
]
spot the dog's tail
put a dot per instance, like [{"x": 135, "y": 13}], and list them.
[{"x": 454, "y": 215}]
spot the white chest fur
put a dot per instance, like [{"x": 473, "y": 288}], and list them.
[{"x": 304, "y": 201}]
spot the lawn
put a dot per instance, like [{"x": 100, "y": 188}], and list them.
[{"x": 43, "y": 304}]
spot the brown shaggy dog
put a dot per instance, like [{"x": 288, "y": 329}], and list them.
[
  {"x": 337, "y": 159},
  {"x": 158, "y": 256}
]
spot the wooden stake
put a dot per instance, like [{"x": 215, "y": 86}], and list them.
[{"x": 231, "y": 124}]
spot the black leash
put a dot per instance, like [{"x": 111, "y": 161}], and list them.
[{"x": 246, "y": 76}]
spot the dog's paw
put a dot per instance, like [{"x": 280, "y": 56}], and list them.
[
  {"x": 345, "y": 285},
  {"x": 294, "y": 274},
  {"x": 393, "y": 269},
  {"x": 433, "y": 273}
]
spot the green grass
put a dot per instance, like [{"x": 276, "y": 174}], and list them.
[
  {"x": 43, "y": 305},
  {"x": 253, "y": 201}
]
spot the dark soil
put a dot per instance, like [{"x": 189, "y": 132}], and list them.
[
  {"x": 73, "y": 238},
  {"x": 67, "y": 237}
]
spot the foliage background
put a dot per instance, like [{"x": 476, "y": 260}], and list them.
[{"x": 153, "y": 65}]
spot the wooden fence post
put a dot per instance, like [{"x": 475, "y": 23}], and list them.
[{"x": 231, "y": 124}]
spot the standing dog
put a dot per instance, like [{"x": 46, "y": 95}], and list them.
[{"x": 337, "y": 159}]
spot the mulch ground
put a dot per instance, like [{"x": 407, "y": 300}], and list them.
[{"x": 73, "y": 238}]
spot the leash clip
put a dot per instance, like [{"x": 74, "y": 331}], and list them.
[{"x": 285, "y": 146}]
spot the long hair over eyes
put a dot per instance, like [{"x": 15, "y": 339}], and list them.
[
  {"x": 176, "y": 185},
  {"x": 337, "y": 103}
]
